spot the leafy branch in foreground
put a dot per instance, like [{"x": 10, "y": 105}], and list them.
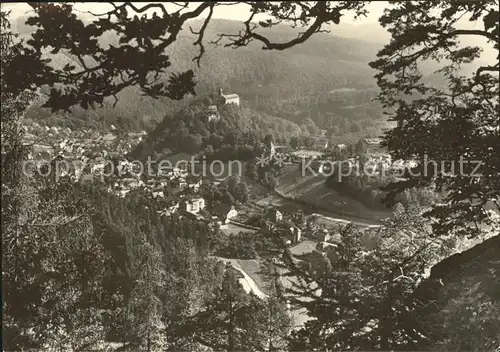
[
  {"x": 139, "y": 56},
  {"x": 363, "y": 296},
  {"x": 451, "y": 132}
]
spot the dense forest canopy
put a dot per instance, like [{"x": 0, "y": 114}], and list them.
[{"x": 236, "y": 134}]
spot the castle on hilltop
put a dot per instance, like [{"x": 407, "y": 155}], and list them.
[
  {"x": 212, "y": 112},
  {"x": 229, "y": 98}
]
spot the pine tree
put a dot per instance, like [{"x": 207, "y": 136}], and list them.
[
  {"x": 366, "y": 299},
  {"x": 145, "y": 305},
  {"x": 51, "y": 261}
]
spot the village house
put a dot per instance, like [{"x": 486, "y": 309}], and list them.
[
  {"x": 136, "y": 134},
  {"x": 194, "y": 205},
  {"x": 296, "y": 234},
  {"x": 380, "y": 157},
  {"x": 194, "y": 186},
  {"x": 322, "y": 235},
  {"x": 372, "y": 145},
  {"x": 109, "y": 138},
  {"x": 193, "y": 216},
  {"x": 378, "y": 162},
  {"x": 215, "y": 223},
  {"x": 131, "y": 183},
  {"x": 157, "y": 194},
  {"x": 182, "y": 182},
  {"x": 315, "y": 260},
  {"x": 169, "y": 210},
  {"x": 225, "y": 212},
  {"x": 275, "y": 215},
  {"x": 282, "y": 149},
  {"x": 212, "y": 113},
  {"x": 229, "y": 98}
]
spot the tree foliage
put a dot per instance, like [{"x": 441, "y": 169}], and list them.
[
  {"x": 140, "y": 57},
  {"x": 362, "y": 292},
  {"x": 451, "y": 132},
  {"x": 237, "y": 134},
  {"x": 232, "y": 320}
]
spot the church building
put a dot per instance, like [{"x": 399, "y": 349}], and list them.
[{"x": 229, "y": 98}]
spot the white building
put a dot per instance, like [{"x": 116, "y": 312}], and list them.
[
  {"x": 194, "y": 186},
  {"x": 372, "y": 145},
  {"x": 195, "y": 205},
  {"x": 225, "y": 212},
  {"x": 229, "y": 98},
  {"x": 213, "y": 113}
]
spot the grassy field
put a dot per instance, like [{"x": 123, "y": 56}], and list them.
[
  {"x": 312, "y": 190},
  {"x": 232, "y": 229}
]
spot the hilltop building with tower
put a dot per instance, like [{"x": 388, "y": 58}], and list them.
[
  {"x": 229, "y": 98},
  {"x": 212, "y": 111}
]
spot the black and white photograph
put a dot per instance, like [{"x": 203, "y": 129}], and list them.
[{"x": 250, "y": 176}]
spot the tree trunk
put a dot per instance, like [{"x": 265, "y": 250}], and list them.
[
  {"x": 387, "y": 317},
  {"x": 230, "y": 330}
]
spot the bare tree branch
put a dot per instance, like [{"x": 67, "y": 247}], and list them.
[
  {"x": 200, "y": 34},
  {"x": 141, "y": 52}
]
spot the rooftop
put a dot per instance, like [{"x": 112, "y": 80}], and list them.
[
  {"x": 230, "y": 96},
  {"x": 373, "y": 140},
  {"x": 194, "y": 200}
]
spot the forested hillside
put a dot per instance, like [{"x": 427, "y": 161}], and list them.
[
  {"x": 236, "y": 134},
  {"x": 329, "y": 73}
]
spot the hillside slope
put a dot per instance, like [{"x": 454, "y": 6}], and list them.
[
  {"x": 236, "y": 134},
  {"x": 310, "y": 190},
  {"x": 464, "y": 295}
]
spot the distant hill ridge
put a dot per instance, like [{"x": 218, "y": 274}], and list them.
[{"x": 324, "y": 63}]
